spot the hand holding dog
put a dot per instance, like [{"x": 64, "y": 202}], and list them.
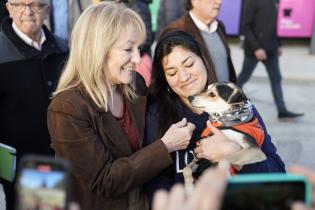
[
  {"x": 215, "y": 147},
  {"x": 178, "y": 136}
]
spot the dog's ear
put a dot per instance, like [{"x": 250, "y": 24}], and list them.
[
  {"x": 237, "y": 96},
  {"x": 224, "y": 91},
  {"x": 230, "y": 93}
]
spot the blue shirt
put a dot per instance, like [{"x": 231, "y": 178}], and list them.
[{"x": 60, "y": 16}]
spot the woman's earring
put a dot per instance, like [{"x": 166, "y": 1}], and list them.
[{"x": 168, "y": 89}]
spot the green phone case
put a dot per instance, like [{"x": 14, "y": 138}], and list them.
[
  {"x": 275, "y": 177},
  {"x": 7, "y": 162}
]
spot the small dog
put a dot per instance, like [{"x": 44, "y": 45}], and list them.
[{"x": 231, "y": 111}]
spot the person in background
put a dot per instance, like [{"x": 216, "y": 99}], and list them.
[
  {"x": 259, "y": 27},
  {"x": 168, "y": 12},
  {"x": 64, "y": 15},
  {"x": 145, "y": 67},
  {"x": 2, "y": 198},
  {"x": 97, "y": 116},
  {"x": 179, "y": 71},
  {"x": 30, "y": 62},
  {"x": 3, "y": 10},
  {"x": 201, "y": 22},
  {"x": 59, "y": 18}
]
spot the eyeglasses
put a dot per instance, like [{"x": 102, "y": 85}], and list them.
[{"x": 35, "y": 7}]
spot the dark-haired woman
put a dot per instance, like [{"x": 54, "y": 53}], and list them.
[{"x": 178, "y": 72}]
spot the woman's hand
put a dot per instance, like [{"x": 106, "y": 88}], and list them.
[
  {"x": 215, "y": 147},
  {"x": 178, "y": 136},
  {"x": 310, "y": 175},
  {"x": 207, "y": 193}
]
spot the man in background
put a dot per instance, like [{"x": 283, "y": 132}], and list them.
[
  {"x": 31, "y": 59},
  {"x": 263, "y": 45}
]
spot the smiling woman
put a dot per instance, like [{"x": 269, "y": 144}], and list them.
[
  {"x": 96, "y": 117},
  {"x": 179, "y": 72}
]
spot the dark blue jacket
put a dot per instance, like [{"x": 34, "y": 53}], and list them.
[{"x": 174, "y": 175}]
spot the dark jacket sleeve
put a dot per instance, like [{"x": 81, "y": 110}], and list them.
[
  {"x": 248, "y": 25},
  {"x": 273, "y": 163},
  {"x": 162, "y": 181},
  {"x": 92, "y": 159}
]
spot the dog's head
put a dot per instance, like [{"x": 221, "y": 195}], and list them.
[{"x": 218, "y": 98}]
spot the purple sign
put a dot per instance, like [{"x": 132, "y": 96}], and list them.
[
  {"x": 296, "y": 18},
  {"x": 230, "y": 14}
]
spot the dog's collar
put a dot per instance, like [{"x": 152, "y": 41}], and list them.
[{"x": 239, "y": 113}]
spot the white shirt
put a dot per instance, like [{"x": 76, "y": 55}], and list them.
[
  {"x": 28, "y": 40},
  {"x": 203, "y": 27}
]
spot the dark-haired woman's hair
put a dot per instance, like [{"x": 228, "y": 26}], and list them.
[{"x": 160, "y": 92}]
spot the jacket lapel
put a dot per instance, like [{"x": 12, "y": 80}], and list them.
[{"x": 110, "y": 127}]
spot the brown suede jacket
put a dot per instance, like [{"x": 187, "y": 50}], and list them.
[{"x": 106, "y": 174}]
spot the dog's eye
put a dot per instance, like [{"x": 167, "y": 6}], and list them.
[{"x": 211, "y": 94}]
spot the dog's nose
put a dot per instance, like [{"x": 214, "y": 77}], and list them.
[{"x": 190, "y": 98}]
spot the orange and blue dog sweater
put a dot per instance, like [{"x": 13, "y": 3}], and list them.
[{"x": 251, "y": 128}]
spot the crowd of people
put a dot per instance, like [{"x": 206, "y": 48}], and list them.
[{"x": 121, "y": 116}]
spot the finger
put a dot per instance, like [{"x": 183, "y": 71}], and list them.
[
  {"x": 303, "y": 171},
  {"x": 74, "y": 206},
  {"x": 181, "y": 123},
  {"x": 191, "y": 126},
  {"x": 298, "y": 206},
  {"x": 200, "y": 155},
  {"x": 209, "y": 190},
  {"x": 215, "y": 185},
  {"x": 160, "y": 200},
  {"x": 197, "y": 150},
  {"x": 213, "y": 128},
  {"x": 176, "y": 197}
]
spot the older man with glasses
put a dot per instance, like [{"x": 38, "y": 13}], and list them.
[{"x": 31, "y": 59}]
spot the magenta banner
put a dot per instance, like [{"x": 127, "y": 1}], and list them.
[
  {"x": 296, "y": 18},
  {"x": 230, "y": 14}
]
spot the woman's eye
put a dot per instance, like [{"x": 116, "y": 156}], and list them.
[
  {"x": 170, "y": 74},
  {"x": 128, "y": 49},
  {"x": 189, "y": 65}
]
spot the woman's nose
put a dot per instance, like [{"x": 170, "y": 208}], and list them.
[
  {"x": 136, "y": 59},
  {"x": 184, "y": 75}
]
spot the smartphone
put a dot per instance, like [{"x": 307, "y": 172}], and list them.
[
  {"x": 7, "y": 162},
  {"x": 42, "y": 183},
  {"x": 266, "y": 191}
]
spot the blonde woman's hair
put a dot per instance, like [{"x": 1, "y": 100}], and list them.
[{"x": 96, "y": 31}]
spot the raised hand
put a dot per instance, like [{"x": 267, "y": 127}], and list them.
[{"x": 178, "y": 136}]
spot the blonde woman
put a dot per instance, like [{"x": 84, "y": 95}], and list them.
[{"x": 96, "y": 118}]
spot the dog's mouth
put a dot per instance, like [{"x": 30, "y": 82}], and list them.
[
  {"x": 194, "y": 102},
  {"x": 198, "y": 106}
]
